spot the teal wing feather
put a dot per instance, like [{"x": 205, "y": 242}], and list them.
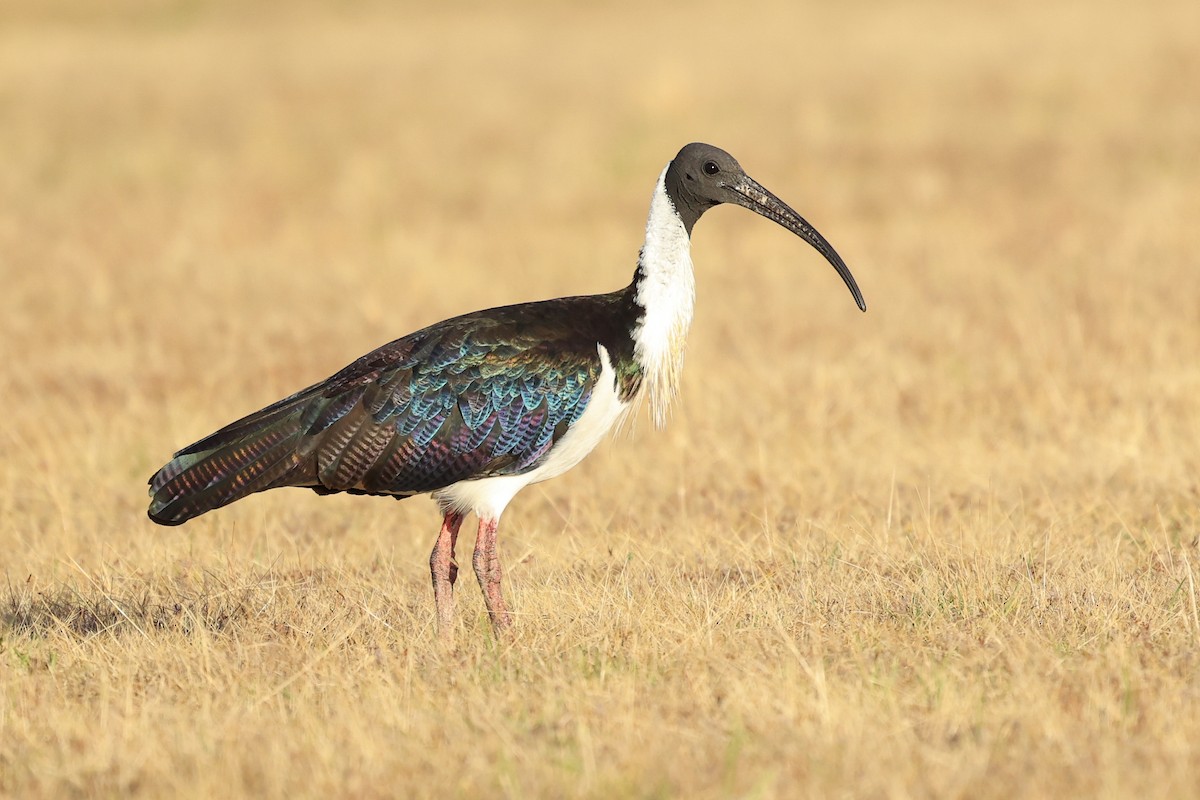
[{"x": 476, "y": 396}]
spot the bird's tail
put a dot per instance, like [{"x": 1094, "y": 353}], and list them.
[{"x": 258, "y": 452}]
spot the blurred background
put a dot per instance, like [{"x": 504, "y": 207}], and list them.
[
  {"x": 942, "y": 548},
  {"x": 205, "y": 206}
]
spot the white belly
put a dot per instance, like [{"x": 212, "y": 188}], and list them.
[{"x": 487, "y": 497}]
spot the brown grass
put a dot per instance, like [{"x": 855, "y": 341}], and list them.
[{"x": 945, "y": 549}]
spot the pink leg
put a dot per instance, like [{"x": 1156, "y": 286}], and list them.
[
  {"x": 444, "y": 570},
  {"x": 487, "y": 568}
]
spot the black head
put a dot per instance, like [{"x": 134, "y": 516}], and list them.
[{"x": 702, "y": 176}]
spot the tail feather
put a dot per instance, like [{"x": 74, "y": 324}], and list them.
[
  {"x": 258, "y": 452},
  {"x": 185, "y": 497},
  {"x": 196, "y": 471}
]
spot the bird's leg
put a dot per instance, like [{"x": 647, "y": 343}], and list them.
[
  {"x": 445, "y": 571},
  {"x": 487, "y": 568}
]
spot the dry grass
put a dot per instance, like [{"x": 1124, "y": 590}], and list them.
[{"x": 945, "y": 549}]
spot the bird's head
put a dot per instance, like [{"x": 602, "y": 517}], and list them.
[{"x": 702, "y": 176}]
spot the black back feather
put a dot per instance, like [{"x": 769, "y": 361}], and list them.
[{"x": 484, "y": 394}]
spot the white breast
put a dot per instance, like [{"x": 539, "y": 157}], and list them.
[
  {"x": 667, "y": 292},
  {"x": 487, "y": 497}
]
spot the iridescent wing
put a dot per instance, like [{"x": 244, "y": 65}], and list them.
[{"x": 476, "y": 396}]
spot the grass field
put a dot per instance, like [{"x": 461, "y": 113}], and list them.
[{"x": 949, "y": 548}]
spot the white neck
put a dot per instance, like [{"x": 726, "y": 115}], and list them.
[{"x": 666, "y": 289}]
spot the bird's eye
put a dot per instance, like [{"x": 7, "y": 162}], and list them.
[{"x": 711, "y": 168}]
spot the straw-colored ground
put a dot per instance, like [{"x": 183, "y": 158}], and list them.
[{"x": 944, "y": 549}]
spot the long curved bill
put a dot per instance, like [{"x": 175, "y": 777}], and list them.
[{"x": 753, "y": 196}]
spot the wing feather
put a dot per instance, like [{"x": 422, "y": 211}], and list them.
[{"x": 472, "y": 397}]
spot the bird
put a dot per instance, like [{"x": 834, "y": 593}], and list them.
[{"x": 475, "y": 408}]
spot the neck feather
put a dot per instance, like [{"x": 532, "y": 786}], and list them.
[{"x": 666, "y": 291}]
